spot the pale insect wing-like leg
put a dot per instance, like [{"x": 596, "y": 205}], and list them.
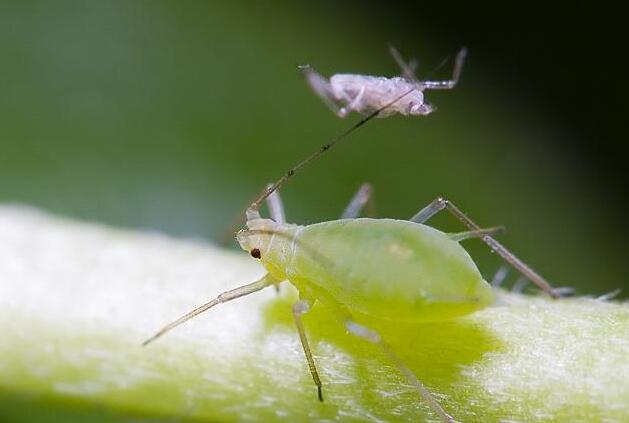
[
  {"x": 276, "y": 210},
  {"x": 323, "y": 89},
  {"x": 408, "y": 69},
  {"x": 276, "y": 206},
  {"x": 500, "y": 276},
  {"x": 363, "y": 197},
  {"x": 375, "y": 338},
  {"x": 224, "y": 297},
  {"x": 519, "y": 285},
  {"x": 299, "y": 308},
  {"x": 459, "y": 61},
  {"x": 355, "y": 104},
  {"x": 441, "y": 203}
]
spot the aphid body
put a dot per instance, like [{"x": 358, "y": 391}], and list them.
[
  {"x": 365, "y": 94},
  {"x": 385, "y": 268}
]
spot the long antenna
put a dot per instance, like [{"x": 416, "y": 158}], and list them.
[{"x": 253, "y": 210}]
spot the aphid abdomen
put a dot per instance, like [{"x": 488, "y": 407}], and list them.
[
  {"x": 390, "y": 269},
  {"x": 375, "y": 92}
]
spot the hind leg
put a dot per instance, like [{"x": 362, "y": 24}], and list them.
[
  {"x": 375, "y": 338},
  {"x": 299, "y": 308},
  {"x": 441, "y": 203}
]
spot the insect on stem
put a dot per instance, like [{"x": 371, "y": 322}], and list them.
[{"x": 252, "y": 211}]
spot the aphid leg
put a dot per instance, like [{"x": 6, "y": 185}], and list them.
[
  {"x": 299, "y": 308},
  {"x": 276, "y": 206},
  {"x": 609, "y": 296},
  {"x": 353, "y": 105},
  {"x": 459, "y": 61},
  {"x": 429, "y": 211},
  {"x": 408, "y": 69},
  {"x": 441, "y": 203},
  {"x": 500, "y": 276},
  {"x": 375, "y": 338},
  {"x": 519, "y": 285},
  {"x": 322, "y": 88},
  {"x": 364, "y": 196},
  {"x": 276, "y": 210},
  {"x": 461, "y": 236},
  {"x": 224, "y": 297}
]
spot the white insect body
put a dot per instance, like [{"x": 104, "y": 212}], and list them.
[{"x": 365, "y": 94}]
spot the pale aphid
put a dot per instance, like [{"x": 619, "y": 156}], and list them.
[
  {"x": 345, "y": 92},
  {"x": 398, "y": 270}
]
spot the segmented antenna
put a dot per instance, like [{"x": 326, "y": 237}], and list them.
[{"x": 253, "y": 210}]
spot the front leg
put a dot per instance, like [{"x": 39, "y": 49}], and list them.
[
  {"x": 355, "y": 104},
  {"x": 323, "y": 89}
]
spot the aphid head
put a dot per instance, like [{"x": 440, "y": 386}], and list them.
[
  {"x": 420, "y": 109},
  {"x": 257, "y": 238},
  {"x": 269, "y": 242}
]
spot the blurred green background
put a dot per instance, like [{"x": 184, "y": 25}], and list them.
[{"x": 172, "y": 115}]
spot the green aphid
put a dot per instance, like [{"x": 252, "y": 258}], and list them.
[{"x": 396, "y": 270}]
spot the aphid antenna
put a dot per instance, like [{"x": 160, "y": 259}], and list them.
[{"x": 253, "y": 212}]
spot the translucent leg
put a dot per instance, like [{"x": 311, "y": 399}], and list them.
[
  {"x": 276, "y": 206},
  {"x": 500, "y": 276},
  {"x": 441, "y": 203},
  {"x": 429, "y": 211},
  {"x": 519, "y": 285},
  {"x": 362, "y": 197},
  {"x": 375, "y": 338},
  {"x": 276, "y": 210},
  {"x": 353, "y": 105},
  {"x": 299, "y": 308},
  {"x": 408, "y": 69},
  {"x": 221, "y": 298},
  {"x": 322, "y": 88},
  {"x": 456, "y": 74}
]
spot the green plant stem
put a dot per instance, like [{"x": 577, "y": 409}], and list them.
[{"x": 77, "y": 300}]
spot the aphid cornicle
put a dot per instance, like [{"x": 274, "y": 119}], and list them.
[
  {"x": 399, "y": 270},
  {"x": 346, "y": 92}
]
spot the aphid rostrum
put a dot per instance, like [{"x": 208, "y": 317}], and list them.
[
  {"x": 344, "y": 92},
  {"x": 398, "y": 270}
]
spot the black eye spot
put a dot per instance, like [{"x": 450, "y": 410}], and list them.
[{"x": 255, "y": 253}]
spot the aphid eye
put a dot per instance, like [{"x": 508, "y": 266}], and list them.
[{"x": 255, "y": 253}]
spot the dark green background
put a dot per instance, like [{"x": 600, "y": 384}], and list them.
[{"x": 172, "y": 115}]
